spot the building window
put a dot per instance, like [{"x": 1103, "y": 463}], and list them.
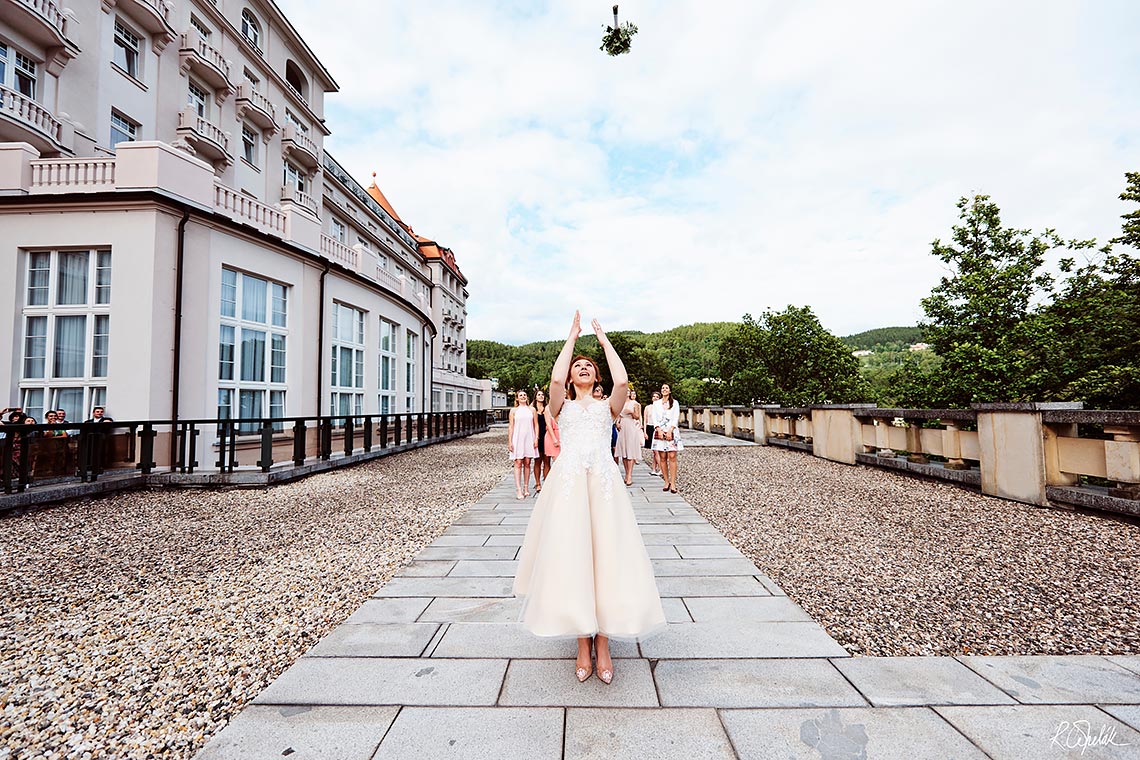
[
  {"x": 252, "y": 340},
  {"x": 122, "y": 129},
  {"x": 296, "y": 80},
  {"x": 299, "y": 125},
  {"x": 251, "y": 78},
  {"x": 249, "y": 145},
  {"x": 295, "y": 177},
  {"x": 250, "y": 29},
  {"x": 347, "y": 380},
  {"x": 387, "y": 367},
  {"x": 339, "y": 231},
  {"x": 200, "y": 27},
  {"x": 196, "y": 98},
  {"x": 410, "y": 371},
  {"x": 127, "y": 47},
  {"x": 67, "y": 331},
  {"x": 24, "y": 76},
  {"x": 449, "y": 403}
]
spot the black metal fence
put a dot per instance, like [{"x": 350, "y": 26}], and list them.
[{"x": 54, "y": 454}]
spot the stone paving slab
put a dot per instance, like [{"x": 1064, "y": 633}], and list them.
[
  {"x": 472, "y": 610},
  {"x": 1128, "y": 714},
  {"x": 1067, "y": 679},
  {"x": 386, "y": 681},
  {"x": 732, "y": 585},
  {"x": 427, "y": 568},
  {"x": 729, "y": 639},
  {"x": 716, "y": 551},
  {"x": 754, "y": 609},
  {"x": 849, "y": 733},
  {"x": 475, "y": 540},
  {"x": 1128, "y": 662},
  {"x": 330, "y": 733},
  {"x": 608, "y": 734},
  {"x": 486, "y": 568},
  {"x": 908, "y": 681},
  {"x": 699, "y": 567},
  {"x": 753, "y": 683},
  {"x": 675, "y": 610},
  {"x": 392, "y": 610},
  {"x": 551, "y": 683},
  {"x": 515, "y": 541},
  {"x": 466, "y": 552},
  {"x": 376, "y": 640},
  {"x": 447, "y": 587},
  {"x": 503, "y": 733},
  {"x": 1044, "y": 731},
  {"x": 485, "y": 530},
  {"x": 685, "y": 539},
  {"x": 502, "y": 640}
]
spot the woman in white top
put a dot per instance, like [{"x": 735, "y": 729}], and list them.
[
  {"x": 665, "y": 436},
  {"x": 650, "y": 417}
]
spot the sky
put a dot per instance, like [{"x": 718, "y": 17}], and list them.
[{"x": 746, "y": 155}]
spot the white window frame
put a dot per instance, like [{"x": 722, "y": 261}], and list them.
[
  {"x": 234, "y": 320},
  {"x": 123, "y": 129},
  {"x": 249, "y": 140},
  {"x": 201, "y": 27},
  {"x": 128, "y": 43},
  {"x": 386, "y": 366},
  {"x": 338, "y": 229},
  {"x": 251, "y": 28},
  {"x": 296, "y": 177},
  {"x": 198, "y": 97},
  {"x": 90, "y": 382},
  {"x": 347, "y": 345},
  {"x": 410, "y": 342}
]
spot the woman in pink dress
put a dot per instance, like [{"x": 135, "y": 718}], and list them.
[
  {"x": 631, "y": 435},
  {"x": 522, "y": 442}
]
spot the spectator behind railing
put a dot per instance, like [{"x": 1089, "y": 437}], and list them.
[
  {"x": 98, "y": 415},
  {"x": 15, "y": 417},
  {"x": 61, "y": 419}
]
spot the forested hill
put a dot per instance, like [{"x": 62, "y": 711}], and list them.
[
  {"x": 884, "y": 339},
  {"x": 689, "y": 351}
]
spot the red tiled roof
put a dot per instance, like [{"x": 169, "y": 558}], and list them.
[{"x": 429, "y": 248}]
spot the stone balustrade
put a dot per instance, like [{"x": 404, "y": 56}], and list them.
[
  {"x": 1043, "y": 454},
  {"x": 27, "y": 111},
  {"x": 71, "y": 175},
  {"x": 334, "y": 250},
  {"x": 241, "y": 207}
]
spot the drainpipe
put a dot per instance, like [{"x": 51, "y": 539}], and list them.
[
  {"x": 177, "y": 371},
  {"x": 321, "y": 337}
]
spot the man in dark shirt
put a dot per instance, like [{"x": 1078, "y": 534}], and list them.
[{"x": 98, "y": 415}]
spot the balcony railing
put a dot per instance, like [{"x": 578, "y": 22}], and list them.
[
  {"x": 389, "y": 280},
  {"x": 38, "y": 468},
  {"x": 256, "y": 107},
  {"x": 300, "y": 147},
  {"x": 72, "y": 175},
  {"x": 334, "y": 250},
  {"x": 208, "y": 138},
  {"x": 29, "y": 113},
  {"x": 290, "y": 194},
  {"x": 251, "y": 211},
  {"x": 1044, "y": 454},
  {"x": 207, "y": 63}
]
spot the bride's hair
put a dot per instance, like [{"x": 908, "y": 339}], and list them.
[{"x": 569, "y": 379}]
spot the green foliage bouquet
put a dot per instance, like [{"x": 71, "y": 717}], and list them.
[{"x": 618, "y": 37}]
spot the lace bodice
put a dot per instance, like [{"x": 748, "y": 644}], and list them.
[{"x": 585, "y": 434}]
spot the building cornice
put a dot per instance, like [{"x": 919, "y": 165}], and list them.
[{"x": 123, "y": 200}]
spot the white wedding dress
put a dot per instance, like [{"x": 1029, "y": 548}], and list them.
[{"x": 583, "y": 567}]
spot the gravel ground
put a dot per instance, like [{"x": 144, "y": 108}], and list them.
[
  {"x": 136, "y": 626},
  {"x": 896, "y": 565}
]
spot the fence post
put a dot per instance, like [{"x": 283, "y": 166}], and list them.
[
  {"x": 349, "y": 436},
  {"x": 299, "y": 431},
  {"x": 1011, "y": 442},
  {"x": 383, "y": 431},
  {"x": 367, "y": 433},
  {"x": 326, "y": 438},
  {"x": 146, "y": 461},
  {"x": 836, "y": 434}
]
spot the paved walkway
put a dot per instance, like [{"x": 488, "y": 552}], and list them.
[{"x": 434, "y": 667}]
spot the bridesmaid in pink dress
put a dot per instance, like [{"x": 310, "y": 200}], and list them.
[
  {"x": 631, "y": 435},
  {"x": 522, "y": 442}
]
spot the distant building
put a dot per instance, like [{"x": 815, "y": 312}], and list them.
[
  {"x": 920, "y": 347},
  {"x": 861, "y": 352}
]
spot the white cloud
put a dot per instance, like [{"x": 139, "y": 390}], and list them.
[{"x": 745, "y": 155}]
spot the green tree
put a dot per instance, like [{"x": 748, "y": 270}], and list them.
[
  {"x": 788, "y": 358},
  {"x": 978, "y": 318}
]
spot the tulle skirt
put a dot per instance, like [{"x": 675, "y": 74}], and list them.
[{"x": 583, "y": 568}]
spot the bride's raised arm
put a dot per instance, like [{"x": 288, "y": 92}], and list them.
[
  {"x": 620, "y": 393},
  {"x": 562, "y": 369}
]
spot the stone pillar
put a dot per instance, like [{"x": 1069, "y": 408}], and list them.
[
  {"x": 952, "y": 445},
  {"x": 1122, "y": 461},
  {"x": 914, "y": 444},
  {"x": 883, "y": 437},
  {"x": 729, "y": 421},
  {"x": 762, "y": 422},
  {"x": 1011, "y": 441},
  {"x": 1051, "y": 435},
  {"x": 16, "y": 168},
  {"x": 706, "y": 419},
  {"x": 836, "y": 433}
]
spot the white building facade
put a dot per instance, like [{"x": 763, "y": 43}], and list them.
[{"x": 174, "y": 241}]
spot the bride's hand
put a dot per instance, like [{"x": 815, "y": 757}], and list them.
[
  {"x": 576, "y": 327},
  {"x": 599, "y": 332}
]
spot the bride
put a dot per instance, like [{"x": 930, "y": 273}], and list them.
[{"x": 583, "y": 567}]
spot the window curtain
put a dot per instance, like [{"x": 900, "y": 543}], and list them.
[
  {"x": 253, "y": 299},
  {"x": 72, "y": 286},
  {"x": 70, "y": 340},
  {"x": 253, "y": 356}
]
